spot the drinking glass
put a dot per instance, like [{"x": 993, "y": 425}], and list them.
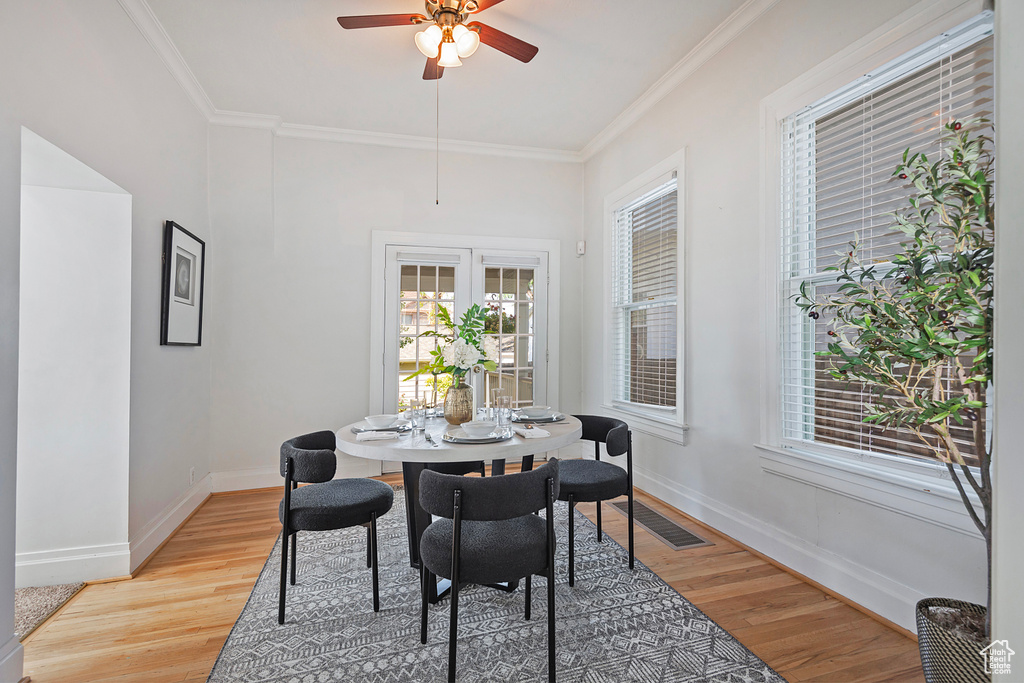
[
  {"x": 417, "y": 415},
  {"x": 503, "y": 408},
  {"x": 493, "y": 412}
]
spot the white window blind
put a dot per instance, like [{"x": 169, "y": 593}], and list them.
[
  {"x": 838, "y": 157},
  {"x": 644, "y": 299}
]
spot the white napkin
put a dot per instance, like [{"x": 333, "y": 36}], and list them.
[
  {"x": 376, "y": 436},
  {"x": 535, "y": 433}
]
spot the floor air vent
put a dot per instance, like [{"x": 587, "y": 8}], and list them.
[{"x": 667, "y": 531}]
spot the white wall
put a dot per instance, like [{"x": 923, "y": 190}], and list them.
[
  {"x": 292, "y": 222},
  {"x": 80, "y": 75},
  {"x": 1008, "y": 551},
  {"x": 74, "y": 371},
  {"x": 881, "y": 559}
]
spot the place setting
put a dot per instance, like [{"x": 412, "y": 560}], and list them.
[
  {"x": 501, "y": 422},
  {"x": 381, "y": 427},
  {"x": 477, "y": 432}
]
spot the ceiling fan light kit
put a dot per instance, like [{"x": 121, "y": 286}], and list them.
[
  {"x": 449, "y": 55},
  {"x": 465, "y": 40},
  {"x": 429, "y": 41},
  {"x": 448, "y": 38}
]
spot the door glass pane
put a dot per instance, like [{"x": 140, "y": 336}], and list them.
[
  {"x": 423, "y": 290},
  {"x": 509, "y": 300}
]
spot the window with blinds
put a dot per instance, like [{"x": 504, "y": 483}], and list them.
[
  {"x": 838, "y": 157},
  {"x": 644, "y": 299}
]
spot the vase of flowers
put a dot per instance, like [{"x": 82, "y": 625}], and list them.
[
  {"x": 458, "y": 402},
  {"x": 466, "y": 348}
]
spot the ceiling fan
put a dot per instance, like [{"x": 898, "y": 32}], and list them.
[{"x": 448, "y": 37}]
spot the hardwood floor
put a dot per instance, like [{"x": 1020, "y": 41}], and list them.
[{"x": 170, "y": 621}]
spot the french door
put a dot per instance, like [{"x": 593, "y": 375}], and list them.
[
  {"x": 511, "y": 286},
  {"x": 418, "y": 282},
  {"x": 513, "y": 290}
]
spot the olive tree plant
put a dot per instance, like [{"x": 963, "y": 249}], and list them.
[{"x": 917, "y": 330}]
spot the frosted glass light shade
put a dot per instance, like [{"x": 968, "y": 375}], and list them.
[
  {"x": 428, "y": 41},
  {"x": 449, "y": 56},
  {"x": 466, "y": 41}
]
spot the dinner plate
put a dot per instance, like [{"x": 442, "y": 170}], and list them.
[
  {"x": 458, "y": 435},
  {"x": 555, "y": 417},
  {"x": 400, "y": 425}
]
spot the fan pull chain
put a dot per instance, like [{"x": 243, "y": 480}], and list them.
[{"x": 437, "y": 140}]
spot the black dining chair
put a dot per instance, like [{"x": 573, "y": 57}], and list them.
[
  {"x": 487, "y": 533},
  {"x": 325, "y": 503},
  {"x": 595, "y": 480}
]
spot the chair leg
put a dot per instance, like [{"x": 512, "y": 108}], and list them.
[
  {"x": 373, "y": 544},
  {"x": 630, "y": 528},
  {"x": 295, "y": 551},
  {"x": 629, "y": 482},
  {"x": 598, "y": 521},
  {"x": 369, "y": 542},
  {"x": 572, "y": 541},
  {"x": 453, "y": 630},
  {"x": 551, "y": 620},
  {"x": 424, "y": 577},
  {"x": 528, "y": 597},
  {"x": 284, "y": 576}
]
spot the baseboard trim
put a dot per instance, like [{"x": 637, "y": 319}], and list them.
[
  {"x": 270, "y": 477},
  {"x": 244, "y": 480},
  {"x": 68, "y": 565},
  {"x": 877, "y": 596},
  {"x": 154, "y": 535},
  {"x": 12, "y": 661}
]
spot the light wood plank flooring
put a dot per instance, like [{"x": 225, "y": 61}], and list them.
[{"x": 171, "y": 620}]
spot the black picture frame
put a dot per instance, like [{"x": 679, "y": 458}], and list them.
[{"x": 181, "y": 297}]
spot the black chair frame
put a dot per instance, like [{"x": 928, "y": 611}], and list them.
[
  {"x": 427, "y": 578},
  {"x": 600, "y": 537},
  {"x": 291, "y": 534}
]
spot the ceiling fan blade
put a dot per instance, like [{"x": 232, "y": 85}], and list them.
[
  {"x": 375, "y": 20},
  {"x": 431, "y": 72},
  {"x": 481, "y": 5},
  {"x": 500, "y": 40}
]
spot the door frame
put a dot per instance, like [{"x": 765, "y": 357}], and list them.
[{"x": 382, "y": 239}]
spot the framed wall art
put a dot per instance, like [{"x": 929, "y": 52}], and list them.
[{"x": 184, "y": 261}]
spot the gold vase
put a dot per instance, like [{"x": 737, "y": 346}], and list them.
[{"x": 458, "y": 402}]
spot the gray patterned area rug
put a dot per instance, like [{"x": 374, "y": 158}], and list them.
[{"x": 613, "y": 626}]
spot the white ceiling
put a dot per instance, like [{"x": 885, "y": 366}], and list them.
[{"x": 291, "y": 59}]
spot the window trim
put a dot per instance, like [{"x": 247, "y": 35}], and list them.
[
  {"x": 855, "y": 475},
  {"x": 663, "y": 422}
]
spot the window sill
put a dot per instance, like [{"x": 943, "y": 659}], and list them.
[
  {"x": 920, "y": 492},
  {"x": 638, "y": 421}
]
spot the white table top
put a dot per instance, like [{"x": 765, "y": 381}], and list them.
[{"x": 413, "y": 446}]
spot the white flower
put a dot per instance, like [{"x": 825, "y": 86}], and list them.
[
  {"x": 491, "y": 347},
  {"x": 461, "y": 354}
]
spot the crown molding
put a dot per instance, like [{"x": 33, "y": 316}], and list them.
[
  {"x": 301, "y": 132},
  {"x": 153, "y": 31},
  {"x": 713, "y": 43},
  {"x": 241, "y": 119},
  {"x": 149, "y": 25}
]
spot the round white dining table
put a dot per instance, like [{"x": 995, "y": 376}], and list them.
[{"x": 415, "y": 452}]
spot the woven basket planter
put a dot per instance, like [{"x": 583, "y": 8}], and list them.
[{"x": 946, "y": 657}]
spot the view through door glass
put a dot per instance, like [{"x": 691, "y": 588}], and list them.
[
  {"x": 509, "y": 301},
  {"x": 423, "y": 290}
]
